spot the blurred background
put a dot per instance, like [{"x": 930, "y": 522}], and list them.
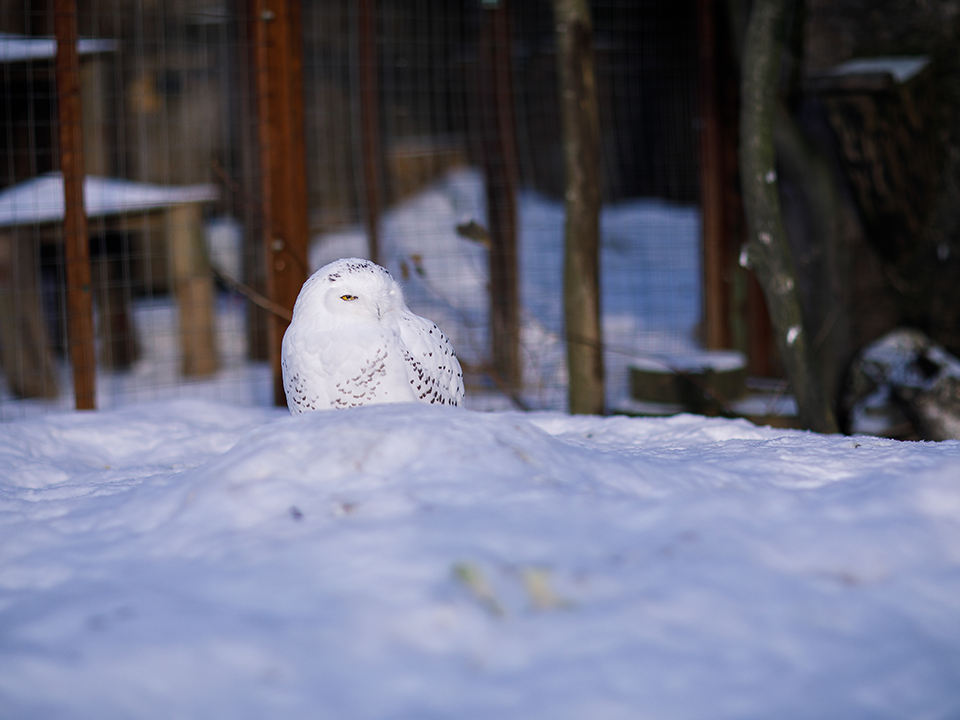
[{"x": 418, "y": 117}]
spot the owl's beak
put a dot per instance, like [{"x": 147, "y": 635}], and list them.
[{"x": 379, "y": 313}]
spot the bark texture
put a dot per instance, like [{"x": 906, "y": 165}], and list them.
[
  {"x": 581, "y": 149},
  {"x": 767, "y": 250}
]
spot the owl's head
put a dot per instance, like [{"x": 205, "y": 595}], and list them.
[{"x": 350, "y": 288}]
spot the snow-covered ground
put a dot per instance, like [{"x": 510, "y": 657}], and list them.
[{"x": 190, "y": 559}]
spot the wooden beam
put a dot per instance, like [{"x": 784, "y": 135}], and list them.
[
  {"x": 278, "y": 61},
  {"x": 75, "y": 235}
]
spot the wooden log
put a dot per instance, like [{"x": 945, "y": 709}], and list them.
[
  {"x": 193, "y": 286},
  {"x": 25, "y": 350},
  {"x": 705, "y": 386}
]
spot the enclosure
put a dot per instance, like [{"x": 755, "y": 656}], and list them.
[
  {"x": 231, "y": 148},
  {"x": 416, "y": 116}
]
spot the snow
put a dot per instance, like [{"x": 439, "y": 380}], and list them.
[
  {"x": 901, "y": 68},
  {"x": 41, "y": 199},
  {"x": 157, "y": 374},
  {"x": 193, "y": 553},
  {"x": 191, "y": 559},
  {"x": 20, "y": 48},
  {"x": 716, "y": 360}
]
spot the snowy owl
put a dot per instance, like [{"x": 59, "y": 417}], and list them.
[{"x": 353, "y": 341}]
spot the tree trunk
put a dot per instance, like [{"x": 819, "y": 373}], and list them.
[
  {"x": 581, "y": 149},
  {"x": 767, "y": 251}
]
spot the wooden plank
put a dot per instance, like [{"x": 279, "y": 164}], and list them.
[
  {"x": 369, "y": 123},
  {"x": 75, "y": 236},
  {"x": 278, "y": 60}
]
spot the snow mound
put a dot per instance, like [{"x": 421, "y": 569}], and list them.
[{"x": 196, "y": 560}]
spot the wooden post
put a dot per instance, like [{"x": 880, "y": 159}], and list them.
[
  {"x": 501, "y": 177},
  {"x": 193, "y": 285},
  {"x": 118, "y": 342},
  {"x": 278, "y": 59},
  {"x": 25, "y": 353},
  {"x": 579, "y": 117},
  {"x": 767, "y": 249},
  {"x": 75, "y": 236},
  {"x": 716, "y": 295},
  {"x": 369, "y": 123},
  {"x": 93, "y": 97}
]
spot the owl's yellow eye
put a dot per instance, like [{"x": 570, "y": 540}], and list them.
[{"x": 348, "y": 298}]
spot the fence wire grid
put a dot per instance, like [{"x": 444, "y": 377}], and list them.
[{"x": 168, "y": 131}]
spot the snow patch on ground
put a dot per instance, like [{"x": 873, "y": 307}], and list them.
[{"x": 198, "y": 560}]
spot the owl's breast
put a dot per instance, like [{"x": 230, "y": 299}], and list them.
[{"x": 326, "y": 369}]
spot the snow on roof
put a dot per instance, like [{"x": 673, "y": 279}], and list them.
[
  {"x": 20, "y": 48},
  {"x": 901, "y": 68},
  {"x": 41, "y": 199}
]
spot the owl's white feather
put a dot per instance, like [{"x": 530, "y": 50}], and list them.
[{"x": 353, "y": 341}]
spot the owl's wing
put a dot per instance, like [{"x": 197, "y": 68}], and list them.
[
  {"x": 432, "y": 366},
  {"x": 306, "y": 382}
]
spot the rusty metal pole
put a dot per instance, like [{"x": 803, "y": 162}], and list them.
[
  {"x": 369, "y": 122},
  {"x": 278, "y": 63},
  {"x": 75, "y": 236},
  {"x": 502, "y": 178},
  {"x": 716, "y": 305}
]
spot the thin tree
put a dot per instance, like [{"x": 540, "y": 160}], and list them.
[
  {"x": 767, "y": 252},
  {"x": 581, "y": 149}
]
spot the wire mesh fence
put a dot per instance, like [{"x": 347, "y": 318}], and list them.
[{"x": 172, "y": 156}]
